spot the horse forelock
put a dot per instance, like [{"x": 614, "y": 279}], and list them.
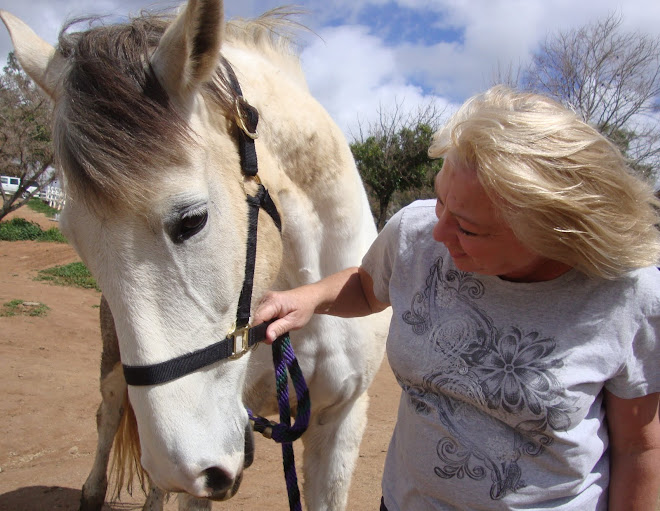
[
  {"x": 114, "y": 123},
  {"x": 116, "y": 129}
]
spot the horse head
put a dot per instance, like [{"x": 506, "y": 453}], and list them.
[{"x": 146, "y": 136}]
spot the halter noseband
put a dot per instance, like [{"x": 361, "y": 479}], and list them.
[{"x": 243, "y": 337}]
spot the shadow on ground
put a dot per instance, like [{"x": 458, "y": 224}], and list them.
[{"x": 42, "y": 498}]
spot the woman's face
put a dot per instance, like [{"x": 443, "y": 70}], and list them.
[{"x": 477, "y": 238}]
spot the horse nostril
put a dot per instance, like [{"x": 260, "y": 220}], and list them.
[{"x": 217, "y": 480}]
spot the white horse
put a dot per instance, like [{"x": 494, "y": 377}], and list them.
[{"x": 148, "y": 123}]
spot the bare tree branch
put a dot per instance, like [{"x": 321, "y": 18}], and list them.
[{"x": 611, "y": 79}]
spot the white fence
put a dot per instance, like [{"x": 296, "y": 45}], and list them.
[{"x": 54, "y": 196}]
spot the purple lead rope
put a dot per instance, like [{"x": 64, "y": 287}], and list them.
[{"x": 284, "y": 433}]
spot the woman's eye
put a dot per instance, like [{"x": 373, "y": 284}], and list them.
[
  {"x": 466, "y": 233},
  {"x": 189, "y": 225}
]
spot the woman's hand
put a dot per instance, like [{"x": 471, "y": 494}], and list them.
[
  {"x": 294, "y": 309},
  {"x": 347, "y": 294}
]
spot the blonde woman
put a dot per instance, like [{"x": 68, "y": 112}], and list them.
[{"x": 526, "y": 317}]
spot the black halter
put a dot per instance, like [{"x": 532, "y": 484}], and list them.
[{"x": 243, "y": 337}]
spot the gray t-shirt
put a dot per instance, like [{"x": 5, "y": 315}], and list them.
[{"x": 502, "y": 403}]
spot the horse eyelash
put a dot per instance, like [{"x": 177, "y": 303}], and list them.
[{"x": 198, "y": 211}]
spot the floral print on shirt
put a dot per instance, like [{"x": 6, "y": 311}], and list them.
[{"x": 493, "y": 389}]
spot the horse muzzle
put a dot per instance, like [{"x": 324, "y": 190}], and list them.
[{"x": 219, "y": 484}]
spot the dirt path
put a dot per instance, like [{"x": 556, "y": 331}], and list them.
[{"x": 49, "y": 376}]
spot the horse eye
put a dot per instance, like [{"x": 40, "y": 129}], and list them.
[{"x": 189, "y": 225}]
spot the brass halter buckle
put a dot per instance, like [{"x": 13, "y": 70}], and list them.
[{"x": 241, "y": 342}]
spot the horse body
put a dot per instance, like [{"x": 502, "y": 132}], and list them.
[{"x": 157, "y": 210}]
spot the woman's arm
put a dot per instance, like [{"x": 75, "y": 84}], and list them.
[
  {"x": 348, "y": 294},
  {"x": 634, "y": 430}
]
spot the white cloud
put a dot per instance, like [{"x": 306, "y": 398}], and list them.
[
  {"x": 502, "y": 34},
  {"x": 46, "y": 17},
  {"x": 353, "y": 74}
]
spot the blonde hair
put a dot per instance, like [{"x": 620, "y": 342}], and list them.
[{"x": 563, "y": 188}]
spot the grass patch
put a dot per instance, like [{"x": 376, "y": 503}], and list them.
[
  {"x": 74, "y": 274},
  {"x": 23, "y": 308},
  {"x": 19, "y": 229},
  {"x": 41, "y": 207}
]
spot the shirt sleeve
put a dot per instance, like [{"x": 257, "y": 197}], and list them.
[
  {"x": 381, "y": 256},
  {"x": 639, "y": 375}
]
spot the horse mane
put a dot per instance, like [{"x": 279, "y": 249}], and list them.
[
  {"x": 126, "y": 466},
  {"x": 114, "y": 112},
  {"x": 273, "y": 33}
]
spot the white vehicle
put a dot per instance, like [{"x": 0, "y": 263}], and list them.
[{"x": 10, "y": 185}]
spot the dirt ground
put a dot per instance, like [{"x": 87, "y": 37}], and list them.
[{"x": 49, "y": 369}]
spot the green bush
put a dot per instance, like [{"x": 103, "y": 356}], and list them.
[
  {"x": 53, "y": 234},
  {"x": 19, "y": 229},
  {"x": 74, "y": 274}
]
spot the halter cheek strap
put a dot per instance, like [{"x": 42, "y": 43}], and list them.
[{"x": 260, "y": 201}]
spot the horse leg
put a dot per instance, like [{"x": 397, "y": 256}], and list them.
[
  {"x": 155, "y": 498},
  {"x": 331, "y": 448},
  {"x": 190, "y": 503},
  {"x": 108, "y": 415}
]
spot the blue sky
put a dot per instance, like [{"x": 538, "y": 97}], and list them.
[{"x": 371, "y": 54}]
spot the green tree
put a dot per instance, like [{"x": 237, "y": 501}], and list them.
[
  {"x": 25, "y": 134},
  {"x": 392, "y": 157},
  {"x": 611, "y": 78}
]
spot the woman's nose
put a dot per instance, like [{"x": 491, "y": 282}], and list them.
[{"x": 443, "y": 230}]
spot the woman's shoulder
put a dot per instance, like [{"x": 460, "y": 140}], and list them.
[
  {"x": 642, "y": 280},
  {"x": 421, "y": 207},
  {"x": 410, "y": 228},
  {"x": 416, "y": 214},
  {"x": 646, "y": 283},
  {"x": 638, "y": 290}
]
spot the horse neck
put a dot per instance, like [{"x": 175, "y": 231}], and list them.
[{"x": 306, "y": 163}]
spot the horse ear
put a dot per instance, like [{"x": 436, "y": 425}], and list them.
[
  {"x": 188, "y": 52},
  {"x": 37, "y": 58}
]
